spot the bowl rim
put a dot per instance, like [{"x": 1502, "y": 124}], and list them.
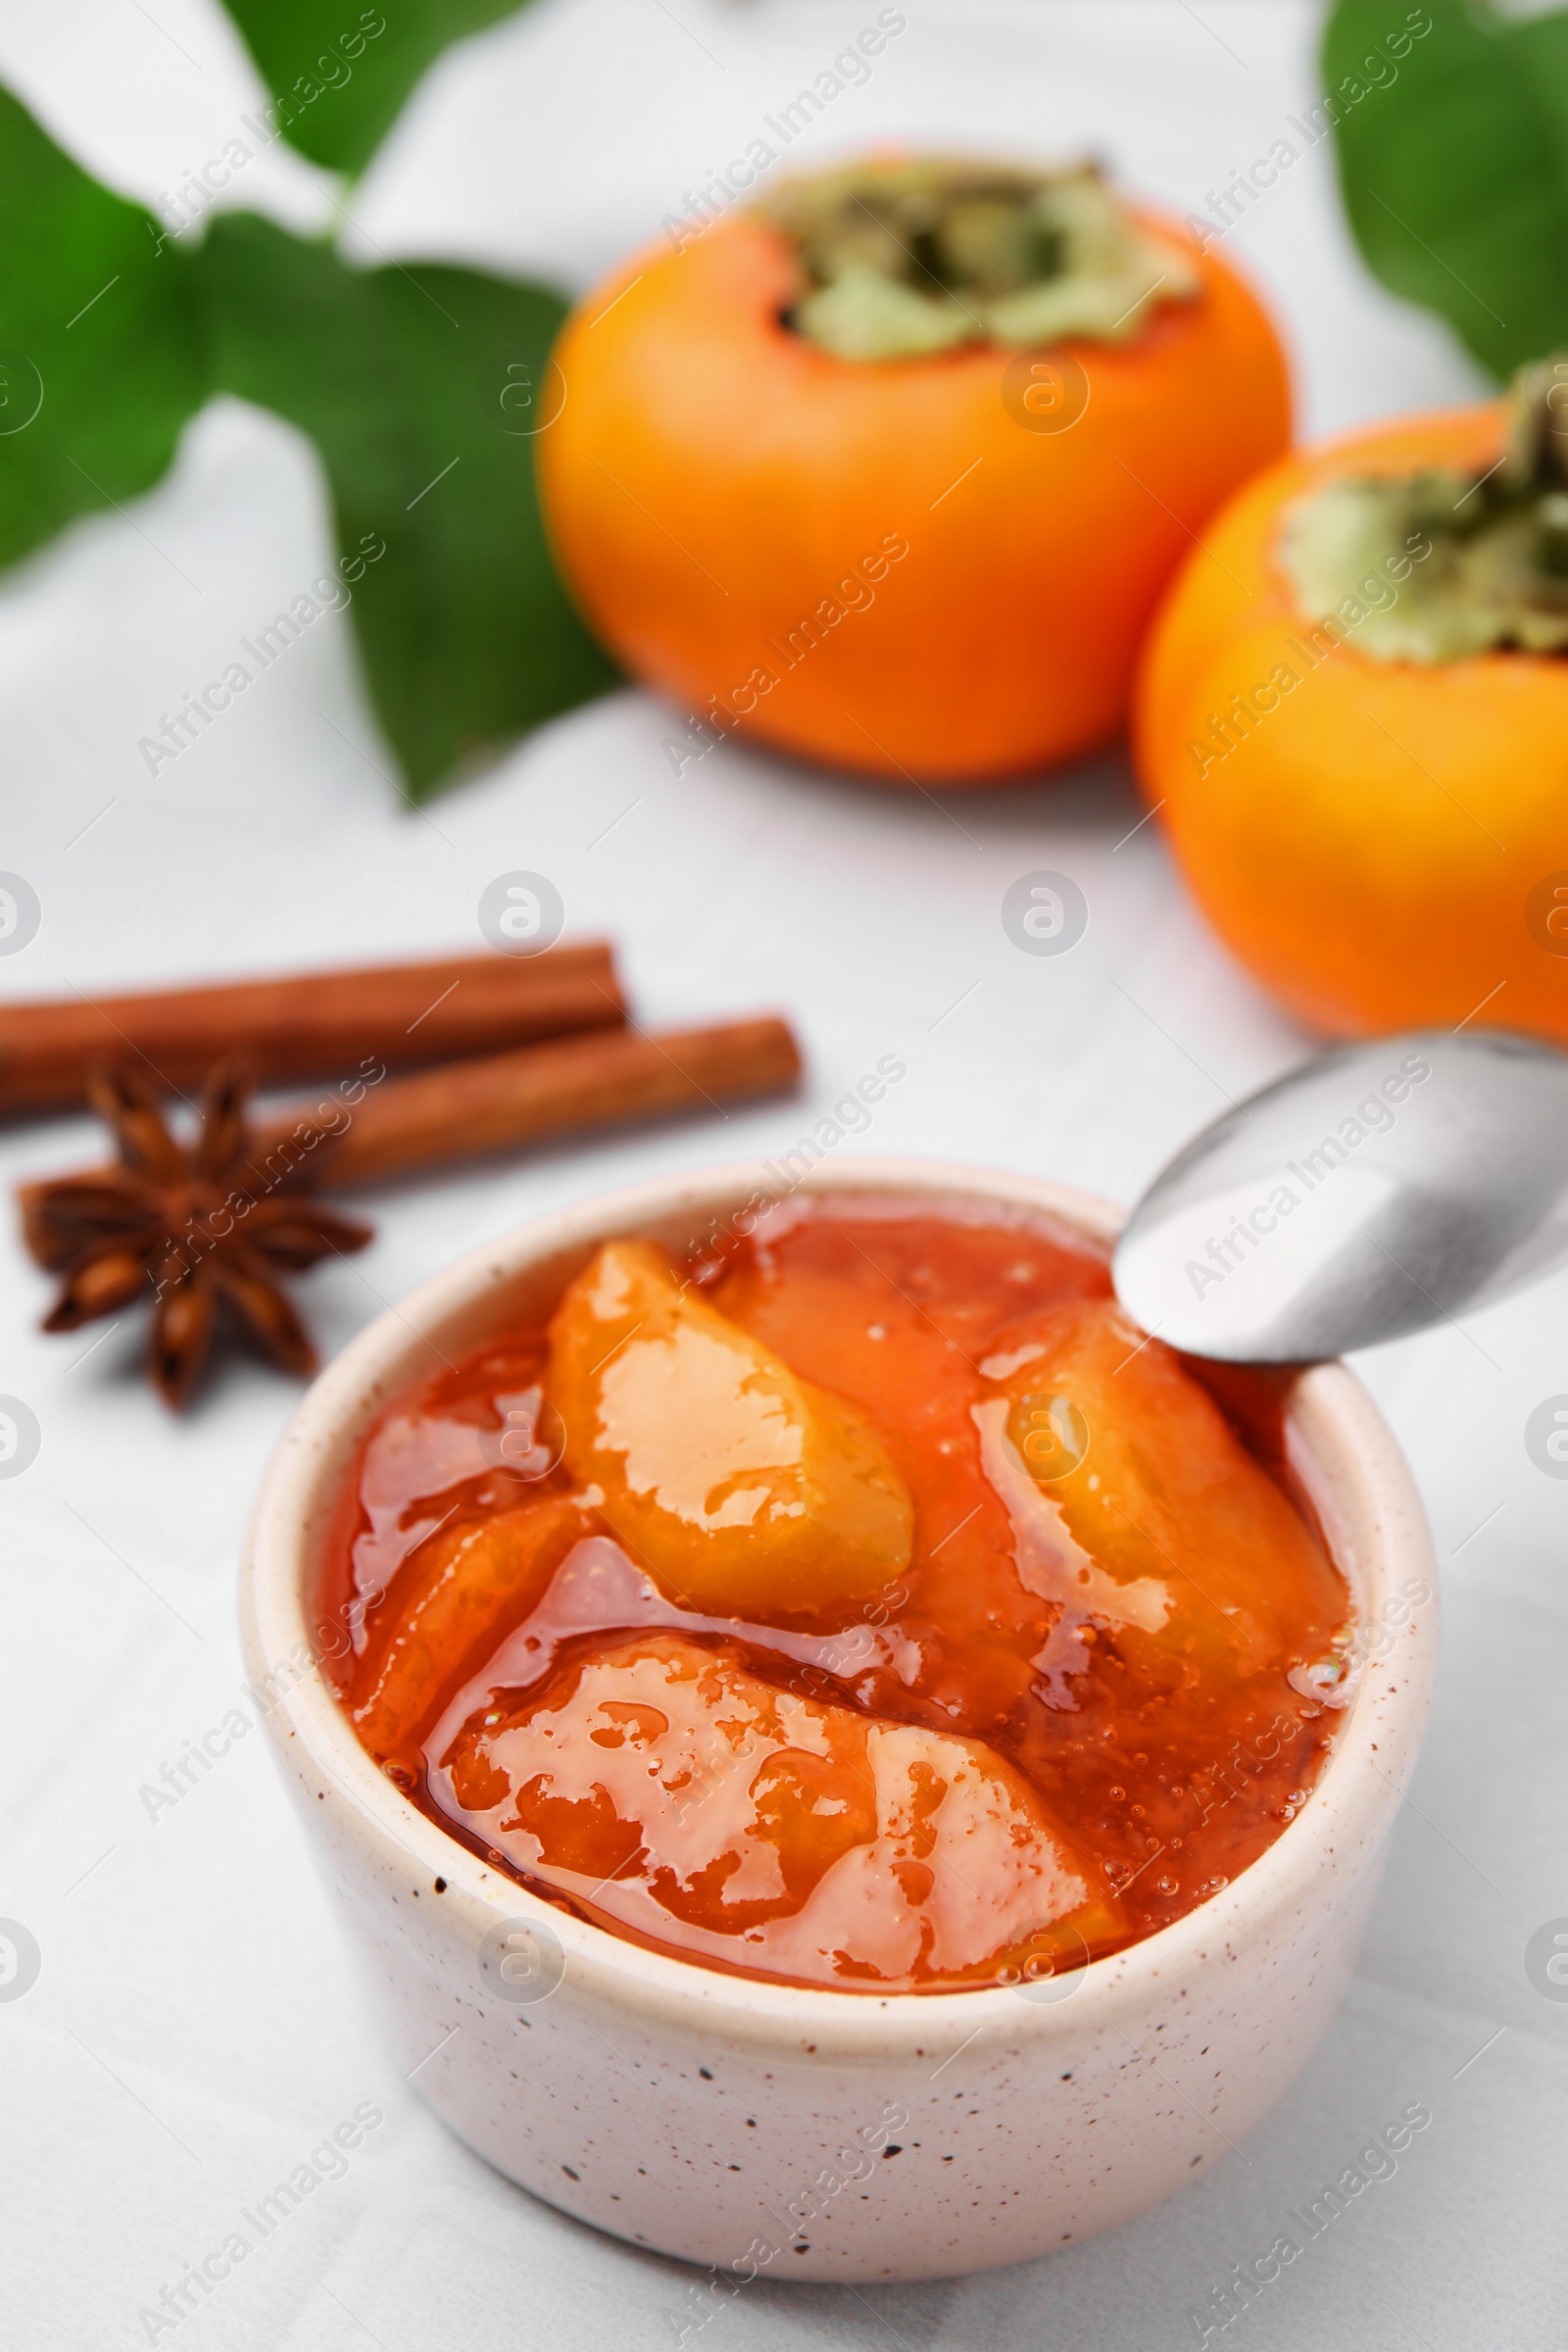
[{"x": 1335, "y": 1429}]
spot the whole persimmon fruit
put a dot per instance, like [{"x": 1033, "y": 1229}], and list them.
[
  {"x": 1352, "y": 712},
  {"x": 890, "y": 471}
]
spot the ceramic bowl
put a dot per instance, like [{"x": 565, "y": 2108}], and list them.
[{"x": 763, "y": 2129}]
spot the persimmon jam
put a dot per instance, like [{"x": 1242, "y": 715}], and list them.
[{"x": 864, "y": 1604}]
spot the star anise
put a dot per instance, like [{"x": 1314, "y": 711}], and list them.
[{"x": 193, "y": 1227}]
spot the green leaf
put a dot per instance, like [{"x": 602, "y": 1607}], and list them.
[
  {"x": 1454, "y": 163},
  {"x": 100, "y": 356},
  {"x": 339, "y": 82},
  {"x": 416, "y": 386},
  {"x": 413, "y": 384}
]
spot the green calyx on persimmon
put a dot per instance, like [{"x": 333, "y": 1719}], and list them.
[
  {"x": 1445, "y": 563},
  {"x": 905, "y": 258}
]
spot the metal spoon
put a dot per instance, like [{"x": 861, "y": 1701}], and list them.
[{"x": 1380, "y": 1189}]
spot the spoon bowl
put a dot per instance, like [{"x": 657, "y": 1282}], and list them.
[{"x": 1380, "y": 1189}]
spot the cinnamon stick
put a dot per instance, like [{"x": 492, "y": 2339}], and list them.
[
  {"x": 464, "y": 1108},
  {"x": 310, "y": 1026}
]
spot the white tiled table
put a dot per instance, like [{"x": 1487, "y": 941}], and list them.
[{"x": 197, "y": 2027}]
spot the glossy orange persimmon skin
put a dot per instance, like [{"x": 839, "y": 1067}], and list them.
[
  {"x": 1374, "y": 848},
  {"x": 714, "y": 479}
]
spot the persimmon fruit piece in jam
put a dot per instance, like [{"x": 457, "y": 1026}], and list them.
[
  {"x": 1150, "y": 1516},
  {"x": 664, "y": 1782},
  {"x": 462, "y": 1592},
  {"x": 742, "y": 1489}
]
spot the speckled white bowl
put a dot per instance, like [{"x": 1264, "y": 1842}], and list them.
[{"x": 756, "y": 2128}]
